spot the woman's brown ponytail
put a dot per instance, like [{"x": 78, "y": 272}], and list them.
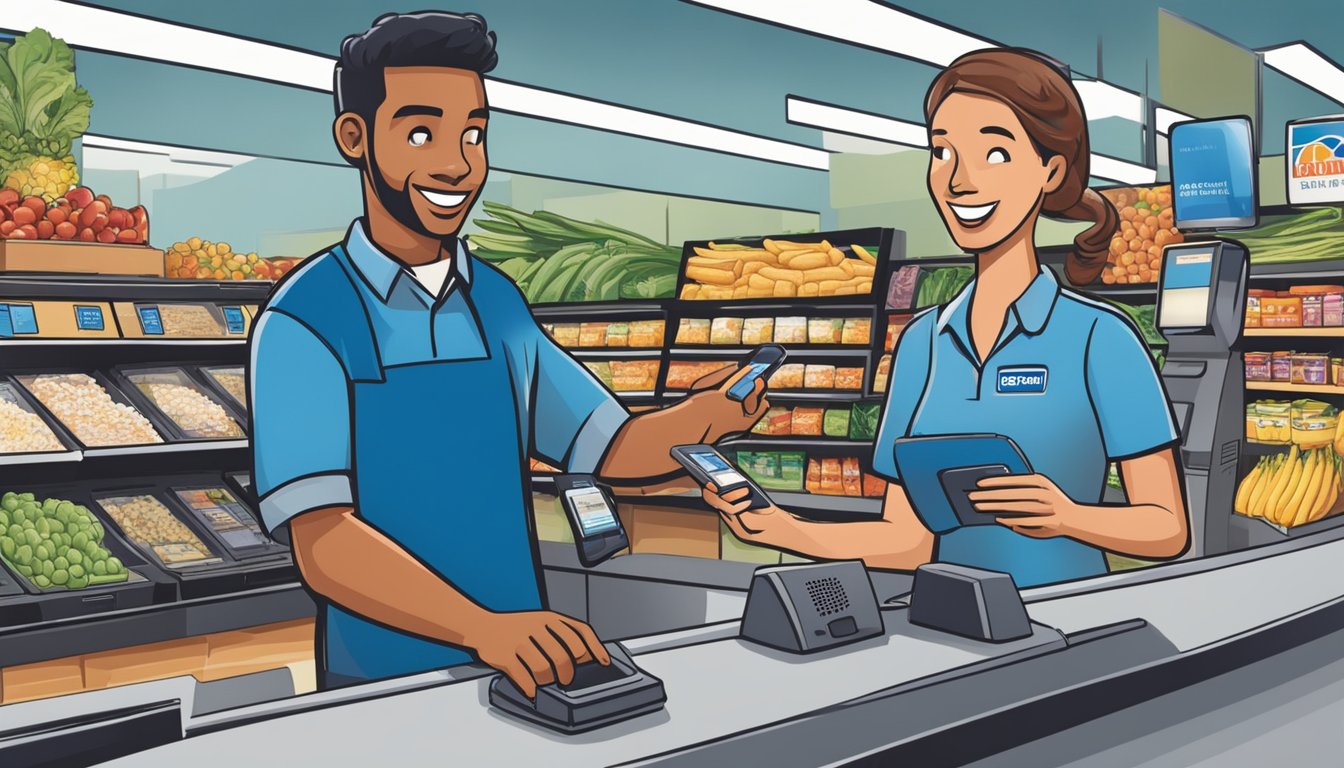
[{"x": 1048, "y": 107}]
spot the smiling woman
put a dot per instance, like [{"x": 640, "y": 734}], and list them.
[{"x": 1015, "y": 355}]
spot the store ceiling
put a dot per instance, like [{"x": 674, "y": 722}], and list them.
[{"x": 682, "y": 59}]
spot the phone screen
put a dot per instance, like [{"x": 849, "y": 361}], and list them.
[
  {"x": 743, "y": 388},
  {"x": 595, "y": 515},
  {"x": 718, "y": 469}
]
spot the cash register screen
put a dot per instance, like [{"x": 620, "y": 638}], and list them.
[{"x": 1187, "y": 277}]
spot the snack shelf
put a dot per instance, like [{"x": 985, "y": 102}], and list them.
[
  {"x": 1297, "y": 332},
  {"x": 614, "y": 352},
  {"x": 1283, "y": 386},
  {"x": 827, "y": 350},
  {"x": 828, "y": 445}
]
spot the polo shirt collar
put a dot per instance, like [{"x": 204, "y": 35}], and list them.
[
  {"x": 382, "y": 271},
  {"x": 1031, "y": 310}
]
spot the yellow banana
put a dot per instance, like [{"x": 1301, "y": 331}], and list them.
[
  {"x": 1242, "y": 501},
  {"x": 1329, "y": 492},
  {"x": 1281, "y": 511},
  {"x": 1331, "y": 500},
  {"x": 1261, "y": 496},
  {"x": 1280, "y": 484},
  {"x": 1339, "y": 436},
  {"x": 1300, "y": 505}
]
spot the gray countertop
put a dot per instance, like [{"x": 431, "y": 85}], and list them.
[{"x": 723, "y": 691}]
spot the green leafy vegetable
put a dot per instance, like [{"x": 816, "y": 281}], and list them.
[
  {"x": 863, "y": 421},
  {"x": 40, "y": 104}
]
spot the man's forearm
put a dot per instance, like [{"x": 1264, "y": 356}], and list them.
[
  {"x": 362, "y": 571},
  {"x": 643, "y": 446}
]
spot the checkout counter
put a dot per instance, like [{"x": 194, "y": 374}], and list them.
[{"x": 1097, "y": 649}]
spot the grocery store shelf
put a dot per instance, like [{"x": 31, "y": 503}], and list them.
[
  {"x": 1283, "y": 386},
  {"x": 799, "y": 350},
  {"x": 40, "y": 458},
  {"x": 1294, "y": 270},
  {"x": 148, "y": 450},
  {"x": 615, "y": 352},
  {"x": 599, "y": 310},
  {"x": 769, "y": 443},
  {"x": 123, "y": 342},
  {"x": 1296, "y": 332}
]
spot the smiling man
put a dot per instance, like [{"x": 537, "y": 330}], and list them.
[{"x": 399, "y": 386}]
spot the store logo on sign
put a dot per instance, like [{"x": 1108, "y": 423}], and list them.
[{"x": 1022, "y": 380}]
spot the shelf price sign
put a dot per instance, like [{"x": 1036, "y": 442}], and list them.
[
  {"x": 233, "y": 318},
  {"x": 150, "y": 321},
  {"x": 1315, "y": 161},
  {"x": 89, "y": 318}
]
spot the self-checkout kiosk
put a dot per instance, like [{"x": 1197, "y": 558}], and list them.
[{"x": 1201, "y": 305}]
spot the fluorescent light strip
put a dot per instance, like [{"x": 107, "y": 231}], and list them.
[
  {"x": 172, "y": 154},
  {"x": 1306, "y": 65},
  {"x": 829, "y": 117},
  {"x": 867, "y": 125},
  {"x": 885, "y": 28},
  {"x": 118, "y": 33}
]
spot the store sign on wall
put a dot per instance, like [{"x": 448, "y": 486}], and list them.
[{"x": 1316, "y": 161}]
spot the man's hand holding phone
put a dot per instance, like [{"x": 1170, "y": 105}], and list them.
[{"x": 713, "y": 401}]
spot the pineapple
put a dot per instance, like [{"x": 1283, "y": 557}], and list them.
[{"x": 46, "y": 177}]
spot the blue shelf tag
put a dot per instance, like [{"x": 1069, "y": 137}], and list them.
[
  {"x": 23, "y": 319},
  {"x": 233, "y": 318},
  {"x": 89, "y": 318},
  {"x": 6, "y": 324},
  {"x": 150, "y": 322}
]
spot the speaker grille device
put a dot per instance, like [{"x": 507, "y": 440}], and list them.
[
  {"x": 805, "y": 608},
  {"x": 828, "y": 595}
]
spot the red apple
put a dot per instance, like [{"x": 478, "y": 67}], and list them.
[
  {"x": 107, "y": 236},
  {"x": 66, "y": 231},
  {"x": 80, "y": 197},
  {"x": 99, "y": 222},
  {"x": 6, "y": 227},
  {"x": 127, "y": 236},
  {"x": 86, "y": 235},
  {"x": 9, "y": 197},
  {"x": 45, "y": 229},
  {"x": 27, "y": 231}
]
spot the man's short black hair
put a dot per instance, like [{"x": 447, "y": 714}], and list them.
[{"x": 425, "y": 39}]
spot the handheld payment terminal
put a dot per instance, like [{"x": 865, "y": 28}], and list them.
[
  {"x": 597, "y": 696},
  {"x": 1201, "y": 303},
  {"x": 598, "y": 533}
]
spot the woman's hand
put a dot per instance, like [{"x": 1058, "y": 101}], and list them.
[
  {"x": 767, "y": 525},
  {"x": 1031, "y": 505}
]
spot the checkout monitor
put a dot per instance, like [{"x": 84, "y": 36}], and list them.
[{"x": 1186, "y": 299}]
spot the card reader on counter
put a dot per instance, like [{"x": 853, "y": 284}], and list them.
[{"x": 597, "y": 696}]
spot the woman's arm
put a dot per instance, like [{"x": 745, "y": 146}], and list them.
[
  {"x": 898, "y": 541},
  {"x": 1153, "y": 525}
]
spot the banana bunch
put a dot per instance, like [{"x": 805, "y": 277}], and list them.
[
  {"x": 1291, "y": 489},
  {"x": 1339, "y": 437}
]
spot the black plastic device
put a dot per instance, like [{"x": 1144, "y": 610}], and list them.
[
  {"x": 598, "y": 696},
  {"x": 970, "y": 602},
  {"x": 598, "y": 533},
  {"x": 807, "y": 608},
  {"x": 707, "y": 465}
]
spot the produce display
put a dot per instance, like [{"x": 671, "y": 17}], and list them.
[
  {"x": 152, "y": 526},
  {"x": 751, "y": 331},
  {"x": 199, "y": 259},
  {"x": 189, "y": 320},
  {"x": 231, "y": 380},
  {"x": 619, "y": 333},
  {"x": 42, "y": 112},
  {"x": 1301, "y": 486},
  {"x": 1313, "y": 235},
  {"x": 779, "y": 269},
  {"x": 941, "y": 285},
  {"x": 77, "y": 215},
  {"x": 1146, "y": 225},
  {"x": 554, "y": 258},
  {"x": 22, "y": 430},
  {"x": 857, "y": 422},
  {"x": 626, "y": 375},
  {"x": 774, "y": 470},
  {"x": 55, "y": 544},
  {"x": 194, "y": 412},
  {"x": 816, "y": 376},
  {"x": 88, "y": 410}
]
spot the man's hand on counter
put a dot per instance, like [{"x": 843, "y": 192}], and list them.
[{"x": 535, "y": 648}]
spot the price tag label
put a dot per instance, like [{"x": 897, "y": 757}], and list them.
[
  {"x": 89, "y": 318},
  {"x": 150, "y": 321},
  {"x": 23, "y": 319},
  {"x": 233, "y": 318}
]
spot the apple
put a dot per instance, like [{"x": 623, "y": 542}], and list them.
[
  {"x": 126, "y": 236},
  {"x": 45, "y": 229},
  {"x": 107, "y": 236},
  {"x": 9, "y": 197},
  {"x": 80, "y": 197},
  {"x": 65, "y": 231}
]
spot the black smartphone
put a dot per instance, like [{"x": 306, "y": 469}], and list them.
[
  {"x": 598, "y": 533},
  {"x": 707, "y": 465},
  {"x": 763, "y": 362}
]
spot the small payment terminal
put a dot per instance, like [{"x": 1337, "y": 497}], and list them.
[
  {"x": 1201, "y": 303},
  {"x": 598, "y": 533},
  {"x": 597, "y": 696}
]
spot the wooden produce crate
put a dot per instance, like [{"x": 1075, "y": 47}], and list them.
[{"x": 80, "y": 258}]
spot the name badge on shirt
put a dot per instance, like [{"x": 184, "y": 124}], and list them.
[{"x": 1022, "y": 380}]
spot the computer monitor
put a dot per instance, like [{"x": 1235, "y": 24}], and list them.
[
  {"x": 1315, "y": 162},
  {"x": 1213, "y": 174},
  {"x": 1185, "y": 296}
]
